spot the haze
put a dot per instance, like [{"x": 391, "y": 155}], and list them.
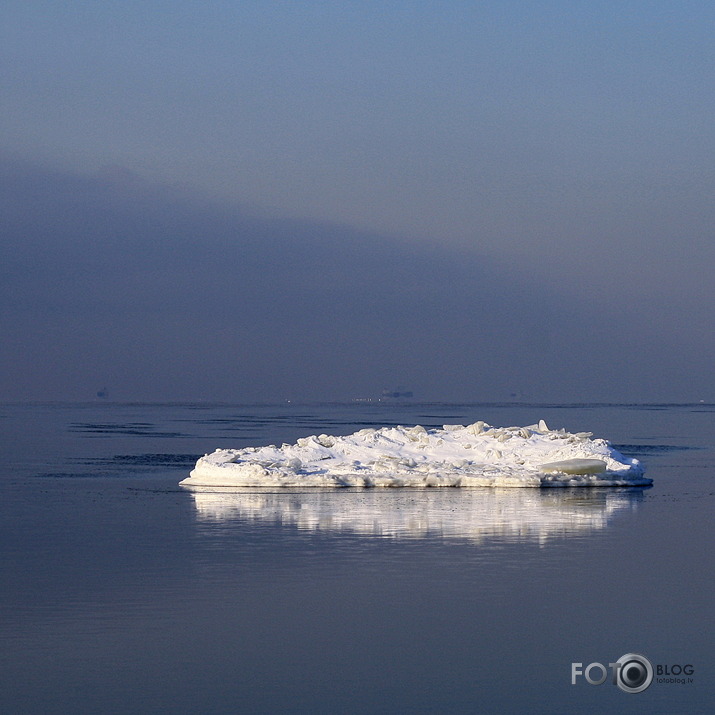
[{"x": 262, "y": 201}]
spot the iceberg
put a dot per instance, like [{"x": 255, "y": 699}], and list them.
[{"x": 476, "y": 455}]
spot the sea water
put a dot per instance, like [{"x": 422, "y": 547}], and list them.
[{"x": 122, "y": 592}]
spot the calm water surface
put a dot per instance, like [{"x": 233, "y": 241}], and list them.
[{"x": 124, "y": 593}]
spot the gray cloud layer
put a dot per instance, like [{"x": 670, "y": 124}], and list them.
[
  {"x": 495, "y": 198},
  {"x": 108, "y": 280}
]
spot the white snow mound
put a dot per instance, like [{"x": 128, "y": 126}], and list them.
[{"x": 477, "y": 455}]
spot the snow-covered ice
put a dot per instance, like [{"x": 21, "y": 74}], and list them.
[{"x": 477, "y": 455}]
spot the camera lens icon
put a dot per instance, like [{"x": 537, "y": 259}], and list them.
[{"x": 635, "y": 673}]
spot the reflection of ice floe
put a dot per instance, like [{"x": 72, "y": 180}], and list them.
[
  {"x": 456, "y": 456},
  {"x": 474, "y": 514}
]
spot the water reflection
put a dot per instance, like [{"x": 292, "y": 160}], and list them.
[{"x": 534, "y": 515}]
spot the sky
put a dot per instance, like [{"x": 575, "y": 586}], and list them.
[{"x": 261, "y": 201}]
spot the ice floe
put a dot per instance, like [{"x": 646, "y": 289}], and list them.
[{"x": 476, "y": 455}]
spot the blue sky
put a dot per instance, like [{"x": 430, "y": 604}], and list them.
[{"x": 518, "y": 156}]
